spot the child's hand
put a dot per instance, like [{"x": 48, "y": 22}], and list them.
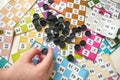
[{"x": 24, "y": 68}]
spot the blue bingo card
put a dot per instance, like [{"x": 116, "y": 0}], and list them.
[
  {"x": 4, "y": 63},
  {"x": 105, "y": 48},
  {"x": 63, "y": 69}
]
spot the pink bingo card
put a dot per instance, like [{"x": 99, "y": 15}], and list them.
[
  {"x": 92, "y": 45},
  {"x": 6, "y": 38},
  {"x": 102, "y": 11}
]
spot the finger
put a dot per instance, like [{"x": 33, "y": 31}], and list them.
[
  {"x": 31, "y": 53},
  {"x": 50, "y": 70},
  {"x": 45, "y": 63},
  {"x": 41, "y": 57}
]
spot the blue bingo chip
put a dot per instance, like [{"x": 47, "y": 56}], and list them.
[
  {"x": 63, "y": 69},
  {"x": 4, "y": 63}
]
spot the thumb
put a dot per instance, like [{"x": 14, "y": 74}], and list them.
[{"x": 28, "y": 56}]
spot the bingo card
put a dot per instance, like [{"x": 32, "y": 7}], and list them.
[
  {"x": 92, "y": 3},
  {"x": 14, "y": 11},
  {"x": 25, "y": 24},
  {"x": 4, "y": 63},
  {"x": 114, "y": 42},
  {"x": 28, "y": 38},
  {"x": 105, "y": 48},
  {"x": 102, "y": 68},
  {"x": 92, "y": 44},
  {"x": 100, "y": 24},
  {"x": 69, "y": 49},
  {"x": 75, "y": 12},
  {"x": 110, "y": 6},
  {"x": 6, "y": 39},
  {"x": 63, "y": 69},
  {"x": 44, "y": 12},
  {"x": 59, "y": 5}
]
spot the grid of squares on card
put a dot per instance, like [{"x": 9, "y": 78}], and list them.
[
  {"x": 14, "y": 11},
  {"x": 59, "y": 6},
  {"x": 25, "y": 24},
  {"x": 100, "y": 24},
  {"x": 44, "y": 12},
  {"x": 108, "y": 5},
  {"x": 28, "y": 38},
  {"x": 63, "y": 69},
  {"x": 3, "y": 3},
  {"x": 102, "y": 11},
  {"x": 69, "y": 48},
  {"x": 92, "y": 3},
  {"x": 78, "y": 37},
  {"x": 105, "y": 48},
  {"x": 6, "y": 39},
  {"x": 4, "y": 63},
  {"x": 114, "y": 42},
  {"x": 75, "y": 12},
  {"x": 50, "y": 44},
  {"x": 102, "y": 68},
  {"x": 90, "y": 50}
]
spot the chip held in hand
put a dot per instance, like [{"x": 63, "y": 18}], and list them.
[{"x": 44, "y": 51}]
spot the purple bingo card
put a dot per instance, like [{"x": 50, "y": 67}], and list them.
[
  {"x": 44, "y": 12},
  {"x": 51, "y": 44}
]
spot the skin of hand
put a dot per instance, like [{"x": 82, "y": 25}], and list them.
[{"x": 24, "y": 68}]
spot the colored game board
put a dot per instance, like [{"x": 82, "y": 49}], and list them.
[
  {"x": 102, "y": 68},
  {"x": 105, "y": 26},
  {"x": 92, "y": 44},
  {"x": 75, "y": 12},
  {"x": 51, "y": 44},
  {"x": 25, "y": 24},
  {"x": 114, "y": 42},
  {"x": 6, "y": 39},
  {"x": 105, "y": 48},
  {"x": 69, "y": 49},
  {"x": 44, "y": 12},
  {"x": 78, "y": 38},
  {"x": 102, "y": 11},
  {"x": 110, "y": 6},
  {"x": 63, "y": 69},
  {"x": 92, "y": 3},
  {"x": 4, "y": 63},
  {"x": 28, "y": 38},
  {"x": 14, "y": 11},
  {"x": 59, "y": 5}
]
